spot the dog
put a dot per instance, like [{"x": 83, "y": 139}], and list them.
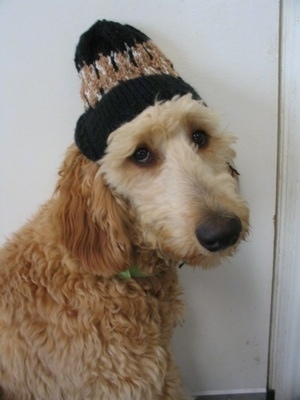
[
  {"x": 71, "y": 325},
  {"x": 89, "y": 286}
]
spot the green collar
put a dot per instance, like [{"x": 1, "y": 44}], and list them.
[{"x": 133, "y": 272}]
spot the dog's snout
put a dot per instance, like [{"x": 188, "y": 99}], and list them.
[{"x": 219, "y": 232}]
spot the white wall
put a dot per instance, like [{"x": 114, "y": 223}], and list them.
[{"x": 227, "y": 49}]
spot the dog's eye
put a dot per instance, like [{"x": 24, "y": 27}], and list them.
[
  {"x": 200, "y": 138},
  {"x": 143, "y": 156}
]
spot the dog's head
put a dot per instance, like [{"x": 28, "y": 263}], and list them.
[
  {"x": 175, "y": 169},
  {"x": 153, "y": 171},
  {"x": 166, "y": 183}
]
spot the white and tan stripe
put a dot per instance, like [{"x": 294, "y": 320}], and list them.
[{"x": 106, "y": 72}]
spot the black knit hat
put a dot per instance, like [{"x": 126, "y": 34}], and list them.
[{"x": 122, "y": 73}]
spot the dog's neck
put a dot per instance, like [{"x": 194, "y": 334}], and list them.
[
  {"x": 134, "y": 272},
  {"x": 146, "y": 264}
]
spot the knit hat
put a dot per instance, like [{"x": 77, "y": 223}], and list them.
[{"x": 122, "y": 74}]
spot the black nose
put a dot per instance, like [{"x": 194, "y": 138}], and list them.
[{"x": 219, "y": 232}]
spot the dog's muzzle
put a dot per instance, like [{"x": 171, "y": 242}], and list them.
[{"x": 219, "y": 232}]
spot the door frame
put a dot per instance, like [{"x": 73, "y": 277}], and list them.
[{"x": 284, "y": 364}]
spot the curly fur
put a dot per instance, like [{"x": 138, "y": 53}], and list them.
[{"x": 70, "y": 327}]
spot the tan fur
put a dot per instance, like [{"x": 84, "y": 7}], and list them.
[
  {"x": 92, "y": 221},
  {"x": 70, "y": 327}
]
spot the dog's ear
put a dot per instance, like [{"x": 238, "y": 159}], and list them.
[{"x": 92, "y": 222}]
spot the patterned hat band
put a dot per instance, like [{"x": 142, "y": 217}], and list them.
[{"x": 122, "y": 73}]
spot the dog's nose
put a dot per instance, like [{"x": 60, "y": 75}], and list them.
[{"x": 219, "y": 232}]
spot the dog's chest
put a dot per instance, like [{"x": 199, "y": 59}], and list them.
[
  {"x": 138, "y": 309},
  {"x": 77, "y": 328}
]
